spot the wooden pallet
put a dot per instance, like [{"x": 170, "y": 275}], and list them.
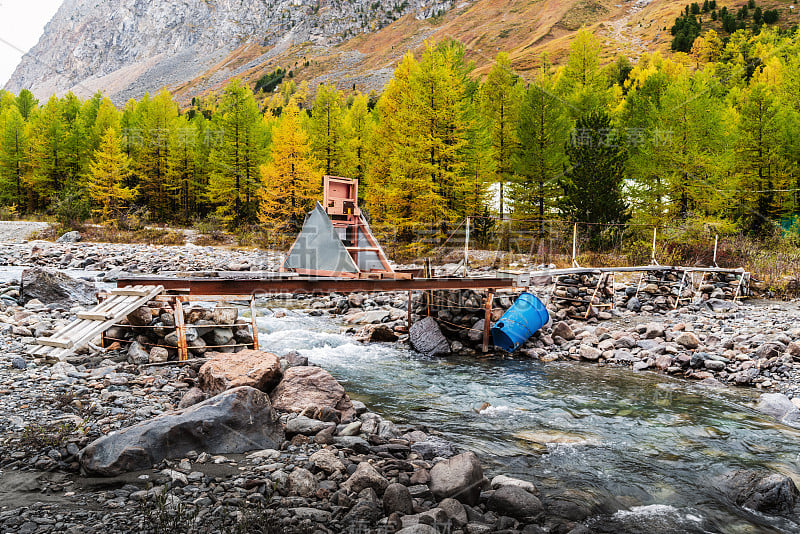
[{"x": 91, "y": 323}]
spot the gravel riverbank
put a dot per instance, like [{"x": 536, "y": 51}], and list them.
[{"x": 342, "y": 469}]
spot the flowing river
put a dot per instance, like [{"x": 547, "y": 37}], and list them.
[{"x": 646, "y": 448}]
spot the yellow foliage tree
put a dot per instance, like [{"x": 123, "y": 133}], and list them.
[
  {"x": 291, "y": 180},
  {"x": 107, "y": 173}
]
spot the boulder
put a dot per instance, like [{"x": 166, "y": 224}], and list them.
[
  {"x": 434, "y": 447},
  {"x": 770, "y": 350},
  {"x": 52, "y": 287},
  {"x": 377, "y": 333},
  {"x": 306, "y": 426},
  {"x": 721, "y": 306},
  {"x": 295, "y": 359},
  {"x": 793, "y": 350},
  {"x": 326, "y": 460},
  {"x": 312, "y": 388},
  {"x": 219, "y": 337},
  {"x": 302, "y": 483},
  {"x": 158, "y": 354},
  {"x": 197, "y": 346},
  {"x": 475, "y": 334},
  {"x": 191, "y": 397},
  {"x": 762, "y": 491},
  {"x": 780, "y": 407},
  {"x": 137, "y": 355},
  {"x": 397, "y": 498},
  {"x": 590, "y": 353},
  {"x": 365, "y": 476},
  {"x": 419, "y": 528},
  {"x": 426, "y": 337},
  {"x": 254, "y": 368},
  {"x": 141, "y": 316},
  {"x": 515, "y": 502},
  {"x": 69, "y": 237},
  {"x": 653, "y": 330},
  {"x": 459, "y": 477},
  {"x": 688, "y": 340},
  {"x": 235, "y": 421},
  {"x": 455, "y": 511},
  {"x": 502, "y": 480},
  {"x": 243, "y": 335},
  {"x": 563, "y": 330},
  {"x": 224, "y": 314}
]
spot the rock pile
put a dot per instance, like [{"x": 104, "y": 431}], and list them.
[
  {"x": 342, "y": 468},
  {"x": 715, "y": 340},
  {"x": 151, "y": 336},
  {"x": 118, "y": 259},
  {"x": 460, "y": 316},
  {"x": 572, "y": 294},
  {"x": 659, "y": 291}
]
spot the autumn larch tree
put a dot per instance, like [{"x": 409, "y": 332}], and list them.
[
  {"x": 291, "y": 181},
  {"x": 236, "y": 154},
  {"x": 107, "y": 174}
]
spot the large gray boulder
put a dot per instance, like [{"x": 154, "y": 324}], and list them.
[
  {"x": 459, "y": 477},
  {"x": 311, "y": 388},
  {"x": 515, "y": 502},
  {"x": 69, "y": 237},
  {"x": 52, "y": 287},
  {"x": 762, "y": 491},
  {"x": 235, "y": 421},
  {"x": 254, "y": 368},
  {"x": 780, "y": 407},
  {"x": 426, "y": 337},
  {"x": 365, "y": 476}
]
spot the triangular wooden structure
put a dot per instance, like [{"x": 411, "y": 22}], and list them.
[{"x": 336, "y": 239}]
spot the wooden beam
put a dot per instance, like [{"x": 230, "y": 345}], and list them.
[
  {"x": 487, "y": 319},
  {"x": 216, "y": 286}
]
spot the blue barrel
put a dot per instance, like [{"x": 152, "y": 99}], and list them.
[{"x": 519, "y": 322}]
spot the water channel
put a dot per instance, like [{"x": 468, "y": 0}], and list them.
[{"x": 646, "y": 448}]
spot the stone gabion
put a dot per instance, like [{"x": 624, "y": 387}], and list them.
[
  {"x": 460, "y": 313},
  {"x": 152, "y": 337}
]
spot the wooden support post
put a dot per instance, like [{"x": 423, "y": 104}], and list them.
[
  {"x": 739, "y": 285},
  {"x": 487, "y": 319},
  {"x": 680, "y": 292},
  {"x": 639, "y": 285},
  {"x": 600, "y": 282},
  {"x": 408, "y": 311},
  {"x": 254, "y": 322},
  {"x": 180, "y": 326},
  {"x": 613, "y": 290}
]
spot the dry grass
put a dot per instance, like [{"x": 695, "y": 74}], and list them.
[{"x": 149, "y": 236}]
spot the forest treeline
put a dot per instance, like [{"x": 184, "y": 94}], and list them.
[{"x": 711, "y": 136}]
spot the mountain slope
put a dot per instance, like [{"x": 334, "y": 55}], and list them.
[{"x": 128, "y": 47}]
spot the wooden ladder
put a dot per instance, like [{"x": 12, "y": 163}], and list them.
[{"x": 89, "y": 324}]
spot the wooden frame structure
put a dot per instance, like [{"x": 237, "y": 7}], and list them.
[{"x": 336, "y": 239}]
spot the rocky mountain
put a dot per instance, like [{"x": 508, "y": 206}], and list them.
[{"x": 127, "y": 47}]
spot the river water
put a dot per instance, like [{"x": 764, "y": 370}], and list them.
[{"x": 646, "y": 448}]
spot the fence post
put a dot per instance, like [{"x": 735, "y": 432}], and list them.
[
  {"x": 574, "y": 244},
  {"x": 716, "y": 240},
  {"x": 653, "y": 251},
  {"x": 466, "y": 250}
]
